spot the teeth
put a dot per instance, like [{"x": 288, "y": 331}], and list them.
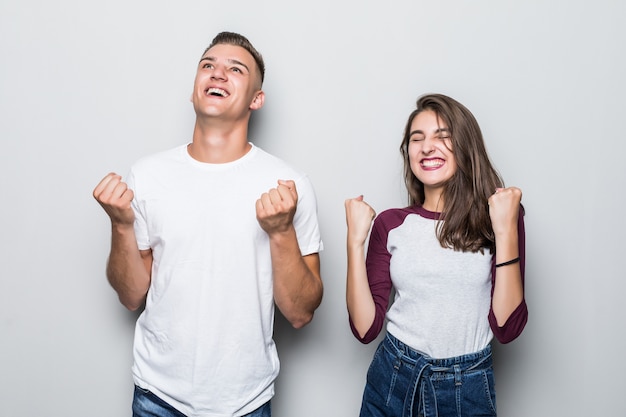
[
  {"x": 218, "y": 91},
  {"x": 432, "y": 162}
]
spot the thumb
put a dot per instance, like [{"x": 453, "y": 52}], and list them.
[{"x": 288, "y": 183}]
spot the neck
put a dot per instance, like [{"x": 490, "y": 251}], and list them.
[
  {"x": 219, "y": 143},
  {"x": 433, "y": 200}
]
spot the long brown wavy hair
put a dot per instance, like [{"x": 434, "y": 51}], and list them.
[{"x": 464, "y": 224}]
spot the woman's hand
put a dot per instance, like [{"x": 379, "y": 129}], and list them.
[
  {"x": 504, "y": 207},
  {"x": 359, "y": 217}
]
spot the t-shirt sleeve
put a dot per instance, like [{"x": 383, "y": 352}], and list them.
[
  {"x": 516, "y": 322},
  {"x": 377, "y": 263},
  {"x": 141, "y": 225},
  {"x": 306, "y": 220}
]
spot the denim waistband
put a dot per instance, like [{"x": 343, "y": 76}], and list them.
[{"x": 463, "y": 362}]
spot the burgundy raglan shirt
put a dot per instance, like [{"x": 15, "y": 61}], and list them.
[{"x": 442, "y": 303}]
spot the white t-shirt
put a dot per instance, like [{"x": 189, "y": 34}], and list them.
[{"x": 204, "y": 341}]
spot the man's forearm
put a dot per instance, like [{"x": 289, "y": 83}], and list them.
[
  {"x": 298, "y": 286},
  {"x": 128, "y": 269}
]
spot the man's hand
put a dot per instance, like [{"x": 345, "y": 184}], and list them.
[
  {"x": 114, "y": 196},
  {"x": 275, "y": 209}
]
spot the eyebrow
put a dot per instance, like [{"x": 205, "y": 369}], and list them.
[
  {"x": 231, "y": 61},
  {"x": 440, "y": 130}
]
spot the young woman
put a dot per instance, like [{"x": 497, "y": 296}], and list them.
[{"x": 455, "y": 260}]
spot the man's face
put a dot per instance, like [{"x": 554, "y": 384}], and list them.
[{"x": 227, "y": 83}]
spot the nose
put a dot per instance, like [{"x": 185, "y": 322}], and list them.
[
  {"x": 428, "y": 146},
  {"x": 218, "y": 73}
]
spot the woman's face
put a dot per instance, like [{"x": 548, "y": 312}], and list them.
[{"x": 430, "y": 151}]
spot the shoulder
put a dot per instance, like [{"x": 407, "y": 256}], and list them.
[
  {"x": 157, "y": 160},
  {"x": 393, "y": 217},
  {"x": 399, "y": 213},
  {"x": 279, "y": 167},
  {"x": 265, "y": 157}
]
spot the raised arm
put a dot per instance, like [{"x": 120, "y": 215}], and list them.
[
  {"x": 128, "y": 268},
  {"x": 298, "y": 287},
  {"x": 361, "y": 306},
  {"x": 508, "y": 292}
]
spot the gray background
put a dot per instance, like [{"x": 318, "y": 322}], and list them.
[{"x": 88, "y": 87}]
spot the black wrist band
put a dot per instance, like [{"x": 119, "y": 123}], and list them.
[{"x": 512, "y": 261}]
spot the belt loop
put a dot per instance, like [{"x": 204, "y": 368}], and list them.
[{"x": 457, "y": 375}]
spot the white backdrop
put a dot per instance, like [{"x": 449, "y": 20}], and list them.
[{"x": 88, "y": 87}]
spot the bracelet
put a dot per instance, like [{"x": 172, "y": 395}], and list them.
[{"x": 512, "y": 261}]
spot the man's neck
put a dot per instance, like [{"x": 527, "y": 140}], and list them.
[{"x": 218, "y": 144}]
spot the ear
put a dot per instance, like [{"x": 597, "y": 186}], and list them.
[{"x": 258, "y": 100}]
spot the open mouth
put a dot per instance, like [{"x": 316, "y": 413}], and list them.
[
  {"x": 432, "y": 163},
  {"x": 216, "y": 92}
]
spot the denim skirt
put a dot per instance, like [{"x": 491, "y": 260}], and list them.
[{"x": 402, "y": 382}]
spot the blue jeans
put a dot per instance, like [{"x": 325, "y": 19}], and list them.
[
  {"x": 146, "y": 404},
  {"x": 402, "y": 382}
]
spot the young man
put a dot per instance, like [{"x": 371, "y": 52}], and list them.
[{"x": 209, "y": 236}]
